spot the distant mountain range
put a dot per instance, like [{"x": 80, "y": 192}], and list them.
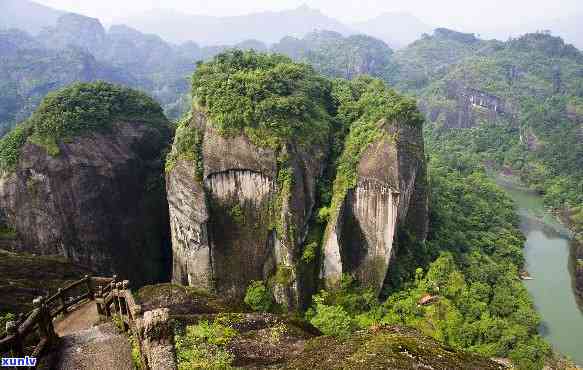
[
  {"x": 396, "y": 29},
  {"x": 27, "y": 15},
  {"x": 59, "y": 48},
  {"x": 268, "y": 27},
  {"x": 568, "y": 27}
]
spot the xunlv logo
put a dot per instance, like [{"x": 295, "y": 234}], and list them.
[{"x": 19, "y": 361}]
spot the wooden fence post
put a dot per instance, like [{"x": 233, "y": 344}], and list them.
[
  {"x": 17, "y": 346},
  {"x": 90, "y": 288},
  {"x": 124, "y": 286},
  {"x": 99, "y": 302},
  {"x": 112, "y": 292},
  {"x": 62, "y": 300},
  {"x": 45, "y": 321},
  {"x": 121, "y": 305}
]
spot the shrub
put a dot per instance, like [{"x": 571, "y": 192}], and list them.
[
  {"x": 215, "y": 333},
  {"x": 136, "y": 353},
  {"x": 202, "y": 346},
  {"x": 331, "y": 320},
  {"x": 10, "y": 146},
  {"x": 258, "y": 296},
  {"x": 4, "y": 318},
  {"x": 266, "y": 96}
]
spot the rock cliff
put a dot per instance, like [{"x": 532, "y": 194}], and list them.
[
  {"x": 93, "y": 194},
  {"x": 466, "y": 107},
  {"x": 248, "y": 179},
  {"x": 230, "y": 222},
  {"x": 389, "y": 194}
]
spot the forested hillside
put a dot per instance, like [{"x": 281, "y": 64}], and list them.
[
  {"x": 521, "y": 102},
  {"x": 78, "y": 48},
  {"x": 512, "y": 106}
]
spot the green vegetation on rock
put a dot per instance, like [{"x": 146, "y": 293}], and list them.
[
  {"x": 4, "y": 318},
  {"x": 75, "y": 110},
  {"x": 267, "y": 96},
  {"x": 330, "y": 319},
  {"x": 392, "y": 347},
  {"x": 202, "y": 346},
  {"x": 367, "y": 107},
  {"x": 187, "y": 146},
  {"x": 259, "y": 297},
  {"x": 10, "y": 146}
]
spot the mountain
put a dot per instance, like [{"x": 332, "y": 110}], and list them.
[
  {"x": 245, "y": 183},
  {"x": 268, "y": 27},
  {"x": 74, "y": 30},
  {"x": 27, "y": 15},
  {"x": 516, "y": 105},
  {"x": 78, "y": 48},
  {"x": 430, "y": 57},
  {"x": 396, "y": 29},
  {"x": 334, "y": 55},
  {"x": 569, "y": 28},
  {"x": 28, "y": 72}
]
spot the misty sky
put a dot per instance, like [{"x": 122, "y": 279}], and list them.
[{"x": 460, "y": 14}]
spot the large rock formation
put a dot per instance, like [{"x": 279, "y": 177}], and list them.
[
  {"x": 231, "y": 222},
  {"x": 98, "y": 197},
  {"x": 466, "y": 107},
  {"x": 390, "y": 194},
  {"x": 246, "y": 175}
]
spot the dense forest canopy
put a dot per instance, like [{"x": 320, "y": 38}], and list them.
[
  {"x": 538, "y": 79},
  {"x": 269, "y": 97}
]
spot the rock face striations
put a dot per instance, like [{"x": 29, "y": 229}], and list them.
[
  {"x": 387, "y": 191},
  {"x": 83, "y": 179},
  {"x": 233, "y": 222},
  {"x": 246, "y": 178},
  {"x": 240, "y": 197}
]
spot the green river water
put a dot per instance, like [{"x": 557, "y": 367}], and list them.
[{"x": 549, "y": 260}]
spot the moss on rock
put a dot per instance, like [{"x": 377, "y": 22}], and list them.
[{"x": 385, "y": 348}]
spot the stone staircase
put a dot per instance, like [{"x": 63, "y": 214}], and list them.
[{"x": 88, "y": 345}]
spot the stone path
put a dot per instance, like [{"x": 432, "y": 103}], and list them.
[{"x": 91, "y": 346}]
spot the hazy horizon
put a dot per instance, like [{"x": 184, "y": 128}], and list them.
[{"x": 457, "y": 14}]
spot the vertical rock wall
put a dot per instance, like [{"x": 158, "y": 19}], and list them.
[
  {"x": 234, "y": 224},
  {"x": 99, "y": 202},
  {"x": 361, "y": 241}
]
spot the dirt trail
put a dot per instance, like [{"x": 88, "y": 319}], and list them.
[{"x": 88, "y": 346}]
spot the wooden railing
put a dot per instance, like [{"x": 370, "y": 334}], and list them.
[
  {"x": 34, "y": 334},
  {"x": 115, "y": 300},
  {"x": 153, "y": 330}
]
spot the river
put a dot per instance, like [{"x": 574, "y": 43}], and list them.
[{"x": 549, "y": 260}]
